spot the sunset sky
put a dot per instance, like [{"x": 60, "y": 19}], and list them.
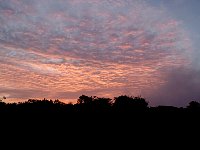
[{"x": 65, "y": 48}]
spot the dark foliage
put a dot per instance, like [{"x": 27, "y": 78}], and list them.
[{"x": 93, "y": 104}]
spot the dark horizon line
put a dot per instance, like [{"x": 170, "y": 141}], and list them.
[{"x": 112, "y": 100}]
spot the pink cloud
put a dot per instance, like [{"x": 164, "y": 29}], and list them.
[{"x": 75, "y": 46}]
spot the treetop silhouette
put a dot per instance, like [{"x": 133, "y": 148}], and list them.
[{"x": 92, "y": 104}]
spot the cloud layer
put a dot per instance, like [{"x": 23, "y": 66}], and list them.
[{"x": 67, "y": 48}]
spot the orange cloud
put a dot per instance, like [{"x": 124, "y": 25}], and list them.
[{"x": 106, "y": 47}]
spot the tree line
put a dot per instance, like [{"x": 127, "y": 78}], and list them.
[{"x": 93, "y": 104}]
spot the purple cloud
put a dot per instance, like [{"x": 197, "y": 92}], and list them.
[{"x": 113, "y": 47}]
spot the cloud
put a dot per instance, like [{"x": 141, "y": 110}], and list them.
[
  {"x": 93, "y": 45},
  {"x": 182, "y": 86}
]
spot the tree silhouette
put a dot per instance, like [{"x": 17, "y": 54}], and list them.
[
  {"x": 129, "y": 103},
  {"x": 93, "y": 104},
  {"x": 194, "y": 105},
  {"x": 102, "y": 104},
  {"x": 83, "y": 99}
]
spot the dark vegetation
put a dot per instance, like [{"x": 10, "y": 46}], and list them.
[
  {"x": 93, "y": 104},
  {"x": 97, "y": 117}
]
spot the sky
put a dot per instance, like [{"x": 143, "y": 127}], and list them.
[{"x": 65, "y": 48}]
